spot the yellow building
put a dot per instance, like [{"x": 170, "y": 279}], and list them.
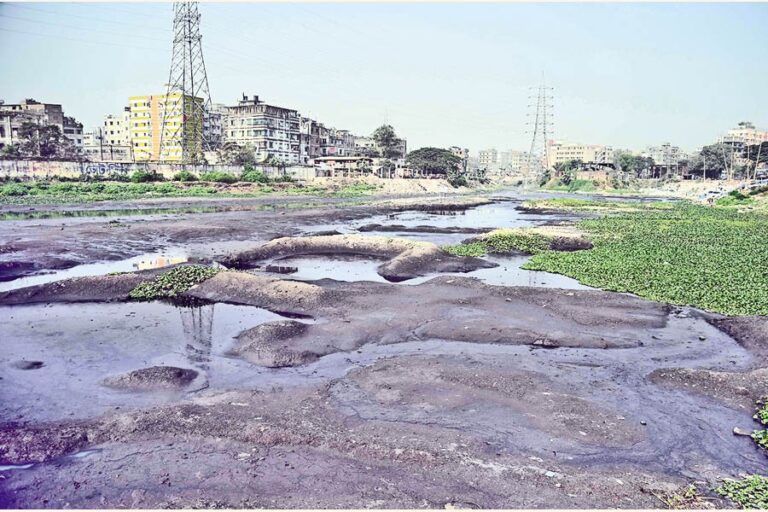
[{"x": 146, "y": 127}]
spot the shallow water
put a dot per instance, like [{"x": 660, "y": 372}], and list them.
[{"x": 81, "y": 344}]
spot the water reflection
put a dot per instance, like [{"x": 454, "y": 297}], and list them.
[{"x": 197, "y": 325}]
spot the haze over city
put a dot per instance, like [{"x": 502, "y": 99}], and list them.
[{"x": 454, "y": 74}]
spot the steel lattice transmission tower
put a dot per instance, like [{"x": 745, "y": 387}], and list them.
[
  {"x": 184, "y": 120},
  {"x": 540, "y": 127}
]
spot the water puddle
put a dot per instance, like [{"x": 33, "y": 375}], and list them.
[
  {"x": 340, "y": 268},
  {"x": 82, "y": 344}
]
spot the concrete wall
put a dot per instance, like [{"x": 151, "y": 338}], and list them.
[{"x": 45, "y": 170}]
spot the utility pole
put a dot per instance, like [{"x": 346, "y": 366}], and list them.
[
  {"x": 541, "y": 129},
  {"x": 188, "y": 79}
]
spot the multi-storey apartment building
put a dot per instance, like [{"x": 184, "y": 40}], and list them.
[
  {"x": 116, "y": 129},
  {"x": 745, "y": 134},
  {"x": 157, "y": 121},
  {"x": 12, "y": 116},
  {"x": 462, "y": 153},
  {"x": 488, "y": 158},
  {"x": 73, "y": 130},
  {"x": 273, "y": 132},
  {"x": 665, "y": 154},
  {"x": 561, "y": 152}
]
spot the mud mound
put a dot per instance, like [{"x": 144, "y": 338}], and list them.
[
  {"x": 750, "y": 331},
  {"x": 736, "y": 390},
  {"x": 152, "y": 378},
  {"x": 79, "y": 289},
  {"x": 263, "y": 346},
  {"x": 406, "y": 258},
  {"x": 266, "y": 292}
]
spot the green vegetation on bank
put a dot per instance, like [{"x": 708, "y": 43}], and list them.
[
  {"x": 502, "y": 242},
  {"x": 749, "y": 492},
  {"x": 712, "y": 258},
  {"x": 173, "y": 283},
  {"x": 185, "y": 185}
]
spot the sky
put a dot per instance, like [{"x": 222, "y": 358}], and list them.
[{"x": 625, "y": 75}]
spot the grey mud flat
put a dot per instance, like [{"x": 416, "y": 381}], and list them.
[{"x": 450, "y": 392}]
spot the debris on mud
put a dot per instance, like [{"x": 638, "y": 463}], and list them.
[{"x": 152, "y": 378}]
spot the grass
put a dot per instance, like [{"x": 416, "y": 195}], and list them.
[
  {"x": 54, "y": 192},
  {"x": 710, "y": 258},
  {"x": 173, "y": 283},
  {"x": 749, "y": 492}
]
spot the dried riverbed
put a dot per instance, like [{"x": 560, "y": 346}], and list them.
[{"x": 332, "y": 387}]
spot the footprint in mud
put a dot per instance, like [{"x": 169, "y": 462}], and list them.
[{"x": 27, "y": 365}]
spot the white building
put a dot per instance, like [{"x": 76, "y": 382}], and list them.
[{"x": 561, "y": 152}]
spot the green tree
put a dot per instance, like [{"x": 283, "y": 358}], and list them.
[
  {"x": 46, "y": 142},
  {"x": 438, "y": 161},
  {"x": 713, "y": 161},
  {"x": 386, "y": 138},
  {"x": 10, "y": 152},
  {"x": 634, "y": 165},
  {"x": 567, "y": 170},
  {"x": 235, "y": 154}
]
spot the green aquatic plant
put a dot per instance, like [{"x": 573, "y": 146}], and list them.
[
  {"x": 173, "y": 283},
  {"x": 749, "y": 492},
  {"x": 711, "y": 258}
]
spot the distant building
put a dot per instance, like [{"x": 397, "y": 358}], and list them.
[
  {"x": 147, "y": 115},
  {"x": 561, "y": 152},
  {"x": 666, "y": 154},
  {"x": 488, "y": 158},
  {"x": 462, "y": 153},
  {"x": 12, "y": 116},
  {"x": 73, "y": 130},
  {"x": 343, "y": 166},
  {"x": 272, "y": 131},
  {"x": 745, "y": 134},
  {"x": 116, "y": 129}
]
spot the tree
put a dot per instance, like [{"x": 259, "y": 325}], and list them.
[
  {"x": 10, "y": 152},
  {"x": 438, "y": 161},
  {"x": 387, "y": 141},
  {"x": 235, "y": 154},
  {"x": 634, "y": 165},
  {"x": 755, "y": 154},
  {"x": 46, "y": 142},
  {"x": 713, "y": 161},
  {"x": 567, "y": 170}
]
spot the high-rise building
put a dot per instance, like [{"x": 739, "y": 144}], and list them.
[{"x": 147, "y": 114}]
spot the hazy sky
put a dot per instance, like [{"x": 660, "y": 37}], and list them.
[{"x": 628, "y": 75}]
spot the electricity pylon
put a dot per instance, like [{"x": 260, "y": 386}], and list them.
[
  {"x": 188, "y": 98},
  {"x": 540, "y": 128}
]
